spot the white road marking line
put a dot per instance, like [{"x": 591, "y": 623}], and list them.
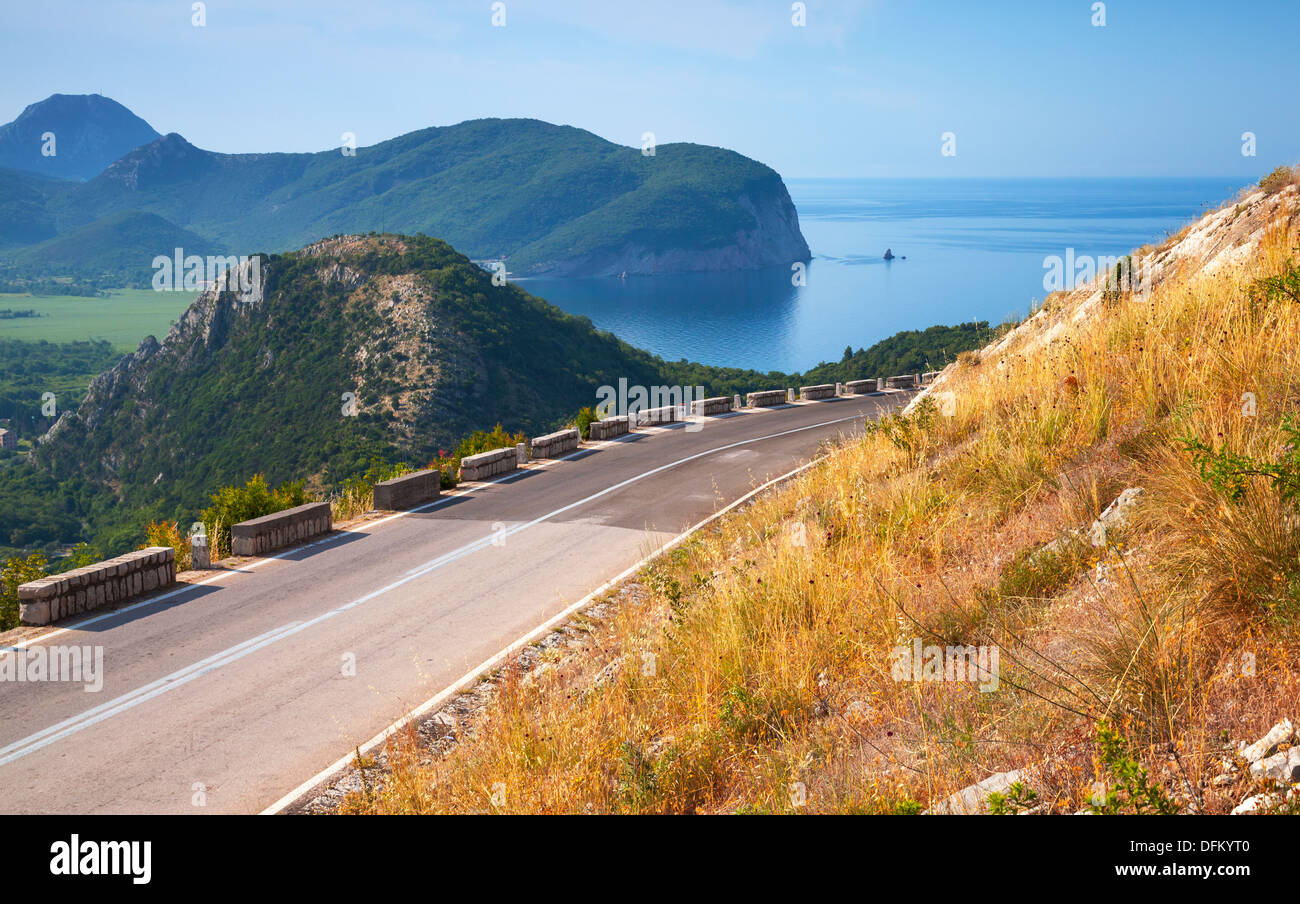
[
  {"x": 47, "y": 736},
  {"x": 472, "y": 676},
  {"x": 257, "y": 562},
  {"x": 177, "y": 679}
]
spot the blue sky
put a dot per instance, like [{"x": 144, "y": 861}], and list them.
[{"x": 866, "y": 88}]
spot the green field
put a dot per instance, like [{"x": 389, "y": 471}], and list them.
[{"x": 123, "y": 319}]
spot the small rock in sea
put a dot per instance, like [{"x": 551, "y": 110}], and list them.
[{"x": 889, "y": 255}]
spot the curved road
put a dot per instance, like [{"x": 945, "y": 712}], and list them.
[{"x": 233, "y": 691}]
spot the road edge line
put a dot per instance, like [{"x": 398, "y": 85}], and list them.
[{"x": 472, "y": 677}]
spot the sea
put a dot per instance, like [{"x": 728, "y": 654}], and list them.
[{"x": 964, "y": 250}]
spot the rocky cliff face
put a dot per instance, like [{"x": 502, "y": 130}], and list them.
[{"x": 257, "y": 380}]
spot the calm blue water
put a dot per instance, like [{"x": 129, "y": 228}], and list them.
[{"x": 974, "y": 249}]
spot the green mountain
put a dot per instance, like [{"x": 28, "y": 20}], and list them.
[
  {"x": 71, "y": 136},
  {"x": 116, "y": 250},
  {"x": 550, "y": 200},
  {"x": 255, "y": 382}
]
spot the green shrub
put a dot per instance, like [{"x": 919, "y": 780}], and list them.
[
  {"x": 1133, "y": 791},
  {"x": 357, "y": 494},
  {"x": 16, "y": 572},
  {"x": 486, "y": 441},
  {"x": 583, "y": 421},
  {"x": 1017, "y": 799},
  {"x": 1228, "y": 472},
  {"x": 1279, "y": 179},
  {"x": 167, "y": 533},
  {"x": 231, "y": 505},
  {"x": 1283, "y": 287}
]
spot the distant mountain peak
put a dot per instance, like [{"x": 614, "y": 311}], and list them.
[
  {"x": 168, "y": 159},
  {"x": 89, "y": 131}
]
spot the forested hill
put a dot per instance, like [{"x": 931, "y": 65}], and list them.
[
  {"x": 548, "y": 199},
  {"x": 426, "y": 344}
]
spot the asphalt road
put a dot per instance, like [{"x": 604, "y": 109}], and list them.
[{"x": 233, "y": 692}]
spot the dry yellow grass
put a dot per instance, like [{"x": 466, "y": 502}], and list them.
[{"x": 757, "y": 677}]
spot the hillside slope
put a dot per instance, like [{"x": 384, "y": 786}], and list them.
[
  {"x": 551, "y": 200},
  {"x": 24, "y": 214},
  {"x": 114, "y": 251},
  {"x": 1100, "y": 509}
]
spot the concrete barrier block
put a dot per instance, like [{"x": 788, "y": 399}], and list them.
[
  {"x": 49, "y": 599},
  {"x": 668, "y": 414},
  {"x": 489, "y": 464},
  {"x": 766, "y": 398},
  {"x": 821, "y": 391},
  {"x": 35, "y": 612},
  {"x": 861, "y": 387},
  {"x": 608, "y": 428},
  {"x": 279, "y": 529},
  {"x": 707, "y": 407},
  {"x": 903, "y": 381},
  {"x": 401, "y": 493},
  {"x": 553, "y": 445}
]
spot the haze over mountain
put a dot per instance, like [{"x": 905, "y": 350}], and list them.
[
  {"x": 552, "y": 200},
  {"x": 89, "y": 132}
]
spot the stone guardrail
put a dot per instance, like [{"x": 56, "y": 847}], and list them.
[
  {"x": 821, "y": 391},
  {"x": 407, "y": 491},
  {"x": 489, "y": 464},
  {"x": 44, "y": 601},
  {"x": 706, "y": 407},
  {"x": 280, "y": 529},
  {"x": 49, "y": 599},
  {"x": 608, "y": 428},
  {"x": 553, "y": 445},
  {"x": 668, "y": 414}
]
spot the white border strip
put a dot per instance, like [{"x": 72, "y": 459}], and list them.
[
  {"x": 257, "y": 561},
  {"x": 472, "y": 676}
]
